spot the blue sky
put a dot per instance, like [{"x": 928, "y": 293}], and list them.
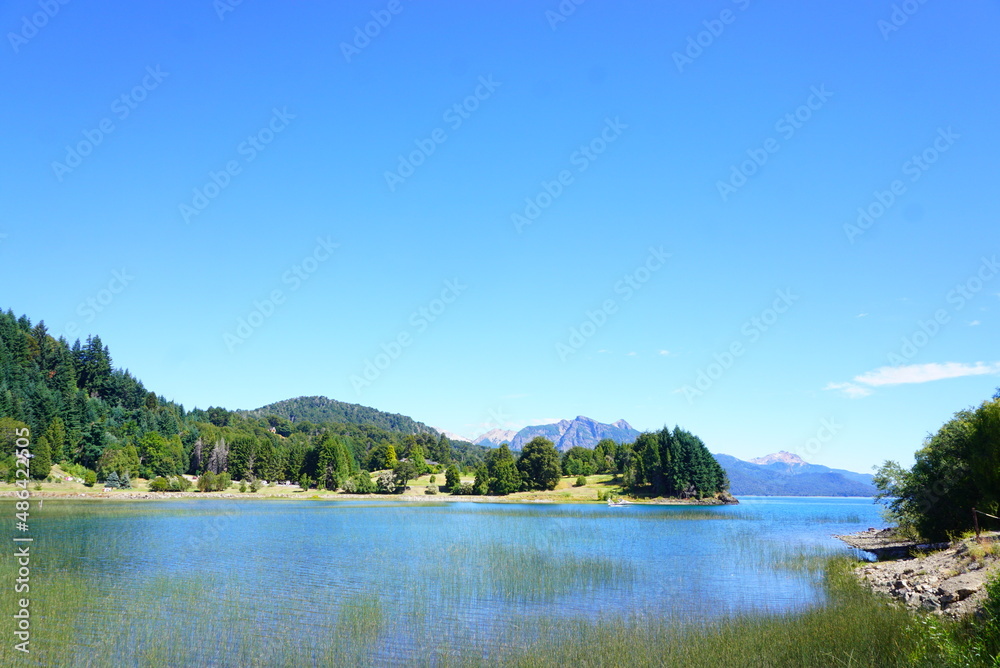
[{"x": 496, "y": 216}]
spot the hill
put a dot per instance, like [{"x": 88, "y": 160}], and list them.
[
  {"x": 319, "y": 410},
  {"x": 785, "y": 474}
]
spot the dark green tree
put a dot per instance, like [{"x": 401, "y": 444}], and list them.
[
  {"x": 504, "y": 476},
  {"x": 41, "y": 462},
  {"x": 539, "y": 464}
]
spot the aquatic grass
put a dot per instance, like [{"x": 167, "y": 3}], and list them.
[{"x": 530, "y": 587}]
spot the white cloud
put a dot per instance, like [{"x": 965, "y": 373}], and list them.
[
  {"x": 861, "y": 315},
  {"x": 907, "y": 374},
  {"x": 664, "y": 352},
  {"x": 632, "y": 354},
  {"x": 849, "y": 389},
  {"x": 924, "y": 373},
  {"x": 975, "y": 323}
]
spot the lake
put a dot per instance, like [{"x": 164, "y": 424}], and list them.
[{"x": 269, "y": 582}]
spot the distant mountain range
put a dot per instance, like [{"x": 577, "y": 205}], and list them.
[
  {"x": 580, "y": 431},
  {"x": 786, "y": 474}
]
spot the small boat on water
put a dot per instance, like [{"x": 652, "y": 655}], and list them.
[{"x": 617, "y": 503}]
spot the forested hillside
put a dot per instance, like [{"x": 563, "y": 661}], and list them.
[
  {"x": 322, "y": 409},
  {"x": 100, "y": 420}
]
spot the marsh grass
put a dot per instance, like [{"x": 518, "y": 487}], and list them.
[{"x": 492, "y": 595}]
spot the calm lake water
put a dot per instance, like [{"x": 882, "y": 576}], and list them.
[{"x": 404, "y": 582}]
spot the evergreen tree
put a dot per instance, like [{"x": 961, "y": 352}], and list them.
[
  {"x": 418, "y": 460},
  {"x": 40, "y": 463},
  {"x": 452, "y": 477},
  {"x": 56, "y": 435},
  {"x": 504, "y": 476}
]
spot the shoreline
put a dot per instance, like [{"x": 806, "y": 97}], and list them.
[{"x": 137, "y": 495}]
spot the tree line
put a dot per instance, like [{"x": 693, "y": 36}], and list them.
[
  {"x": 957, "y": 469},
  {"x": 97, "y": 420}
]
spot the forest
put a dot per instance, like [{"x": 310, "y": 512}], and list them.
[{"x": 100, "y": 423}]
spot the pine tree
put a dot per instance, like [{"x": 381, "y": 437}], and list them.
[
  {"x": 56, "y": 435},
  {"x": 41, "y": 463}
]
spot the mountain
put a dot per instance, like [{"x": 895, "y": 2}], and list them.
[
  {"x": 321, "y": 409},
  {"x": 495, "y": 437},
  {"x": 580, "y": 431},
  {"x": 786, "y": 474}
]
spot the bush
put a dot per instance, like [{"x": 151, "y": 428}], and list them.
[
  {"x": 243, "y": 485},
  {"x": 363, "y": 483},
  {"x": 255, "y": 485},
  {"x": 432, "y": 479},
  {"x": 431, "y": 489},
  {"x": 125, "y": 482},
  {"x": 89, "y": 478},
  {"x": 112, "y": 481},
  {"x": 206, "y": 482},
  {"x": 222, "y": 482},
  {"x": 158, "y": 484},
  {"x": 463, "y": 489},
  {"x": 178, "y": 484},
  {"x": 580, "y": 481},
  {"x": 304, "y": 482},
  {"x": 385, "y": 483}
]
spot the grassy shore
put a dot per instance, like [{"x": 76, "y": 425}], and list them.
[{"x": 596, "y": 489}]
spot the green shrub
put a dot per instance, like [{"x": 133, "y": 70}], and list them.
[
  {"x": 463, "y": 489},
  {"x": 178, "y": 483},
  {"x": 431, "y": 489},
  {"x": 580, "y": 481},
  {"x": 89, "y": 478},
  {"x": 255, "y": 485},
  {"x": 158, "y": 484},
  {"x": 243, "y": 485},
  {"x": 432, "y": 479},
  {"x": 206, "y": 482}
]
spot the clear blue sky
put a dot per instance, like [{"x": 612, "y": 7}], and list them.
[{"x": 141, "y": 103}]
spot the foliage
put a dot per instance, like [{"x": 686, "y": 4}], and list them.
[
  {"x": 89, "y": 478},
  {"x": 463, "y": 489},
  {"x": 674, "y": 464},
  {"x": 431, "y": 489},
  {"x": 452, "y": 477},
  {"x": 403, "y": 473},
  {"x": 503, "y": 476},
  {"x": 158, "y": 484},
  {"x": 539, "y": 464},
  {"x": 955, "y": 470},
  {"x": 385, "y": 483},
  {"x": 100, "y": 418},
  {"x": 580, "y": 481},
  {"x": 40, "y": 463}
]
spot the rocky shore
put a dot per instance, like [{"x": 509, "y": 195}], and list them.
[{"x": 949, "y": 581}]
